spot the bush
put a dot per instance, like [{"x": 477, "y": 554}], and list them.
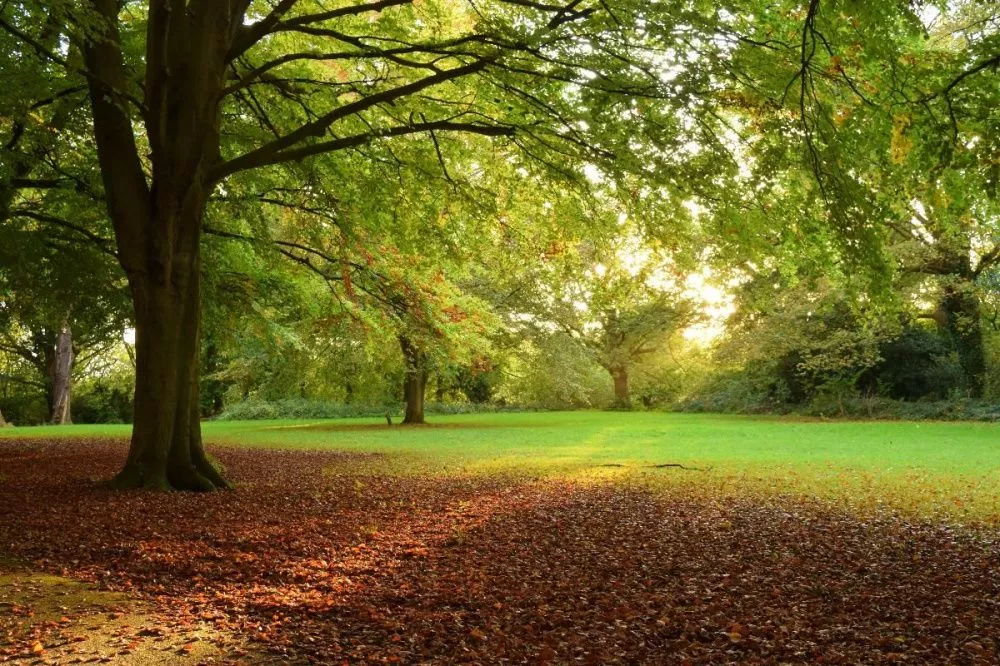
[
  {"x": 871, "y": 408},
  {"x": 26, "y": 409},
  {"x": 297, "y": 408},
  {"x": 917, "y": 364},
  {"x": 102, "y": 404}
]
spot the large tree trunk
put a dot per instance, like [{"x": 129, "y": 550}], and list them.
[
  {"x": 166, "y": 450},
  {"x": 961, "y": 318},
  {"x": 620, "y": 376},
  {"x": 157, "y": 217},
  {"x": 60, "y": 369},
  {"x": 415, "y": 382},
  {"x": 3, "y": 424}
]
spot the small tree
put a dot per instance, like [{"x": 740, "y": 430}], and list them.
[{"x": 620, "y": 313}]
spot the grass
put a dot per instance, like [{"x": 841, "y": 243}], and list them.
[{"x": 927, "y": 469}]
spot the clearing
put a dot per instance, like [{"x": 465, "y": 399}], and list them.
[{"x": 511, "y": 538}]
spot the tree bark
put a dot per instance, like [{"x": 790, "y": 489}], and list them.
[
  {"x": 620, "y": 376},
  {"x": 961, "y": 319},
  {"x": 414, "y": 383},
  {"x": 60, "y": 369},
  {"x": 166, "y": 450},
  {"x": 3, "y": 423},
  {"x": 157, "y": 218}
]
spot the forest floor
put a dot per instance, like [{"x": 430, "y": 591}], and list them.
[{"x": 518, "y": 538}]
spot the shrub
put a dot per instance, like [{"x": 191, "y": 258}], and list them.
[
  {"x": 25, "y": 409},
  {"x": 101, "y": 403},
  {"x": 297, "y": 408},
  {"x": 916, "y": 364}
]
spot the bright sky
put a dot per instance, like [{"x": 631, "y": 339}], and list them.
[{"x": 716, "y": 303}]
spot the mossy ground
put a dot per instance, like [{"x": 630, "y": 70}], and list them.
[{"x": 58, "y": 620}]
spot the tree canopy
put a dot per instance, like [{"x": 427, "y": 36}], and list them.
[{"x": 355, "y": 201}]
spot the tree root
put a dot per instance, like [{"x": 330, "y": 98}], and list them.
[{"x": 195, "y": 477}]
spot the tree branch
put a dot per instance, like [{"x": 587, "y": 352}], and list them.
[
  {"x": 272, "y": 153},
  {"x": 105, "y": 245},
  {"x": 258, "y": 158}
]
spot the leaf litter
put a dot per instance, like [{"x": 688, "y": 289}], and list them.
[{"x": 315, "y": 559}]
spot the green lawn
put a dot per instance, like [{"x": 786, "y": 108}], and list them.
[{"x": 925, "y": 468}]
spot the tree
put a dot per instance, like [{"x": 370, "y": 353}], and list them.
[
  {"x": 57, "y": 273},
  {"x": 623, "y": 320},
  {"x": 893, "y": 114},
  {"x": 221, "y": 89},
  {"x": 619, "y": 302},
  {"x": 59, "y": 309}
]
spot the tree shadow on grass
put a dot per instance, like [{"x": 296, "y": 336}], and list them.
[{"x": 327, "y": 567}]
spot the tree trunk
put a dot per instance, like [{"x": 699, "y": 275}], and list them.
[
  {"x": 166, "y": 450},
  {"x": 3, "y": 424},
  {"x": 60, "y": 369},
  {"x": 415, "y": 382},
  {"x": 414, "y": 388},
  {"x": 211, "y": 390},
  {"x": 620, "y": 376},
  {"x": 961, "y": 316},
  {"x": 157, "y": 216}
]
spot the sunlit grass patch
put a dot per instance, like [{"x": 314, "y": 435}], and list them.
[{"x": 935, "y": 470}]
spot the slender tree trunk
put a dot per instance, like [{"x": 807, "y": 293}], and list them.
[
  {"x": 961, "y": 317},
  {"x": 211, "y": 389},
  {"x": 415, "y": 382},
  {"x": 60, "y": 369},
  {"x": 620, "y": 376}
]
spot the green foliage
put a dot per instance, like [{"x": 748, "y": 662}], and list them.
[
  {"x": 553, "y": 372},
  {"x": 298, "y": 408},
  {"x": 102, "y": 402},
  {"x": 918, "y": 364},
  {"x": 24, "y": 408}
]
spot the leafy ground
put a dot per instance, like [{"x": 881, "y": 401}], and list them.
[{"x": 507, "y": 539}]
